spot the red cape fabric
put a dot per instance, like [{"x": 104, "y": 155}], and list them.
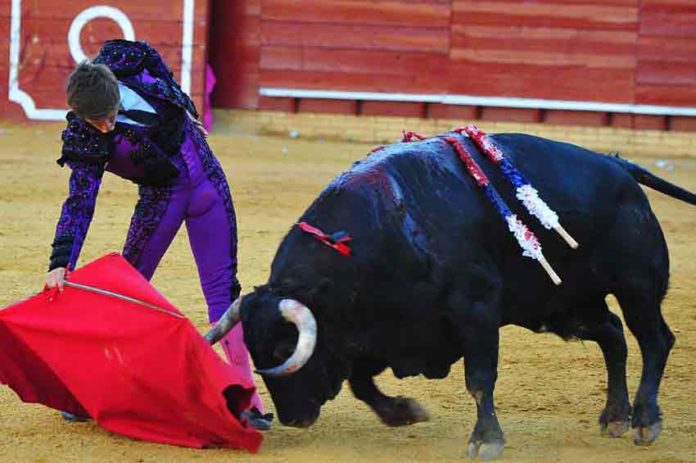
[{"x": 135, "y": 370}]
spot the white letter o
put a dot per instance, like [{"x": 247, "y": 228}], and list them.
[{"x": 89, "y": 14}]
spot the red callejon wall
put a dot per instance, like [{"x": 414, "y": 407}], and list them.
[
  {"x": 43, "y": 38},
  {"x": 616, "y": 52},
  {"x": 429, "y": 57},
  {"x": 234, "y": 52}
]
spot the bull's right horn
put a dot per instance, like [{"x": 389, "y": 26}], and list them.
[
  {"x": 298, "y": 314},
  {"x": 228, "y": 320}
]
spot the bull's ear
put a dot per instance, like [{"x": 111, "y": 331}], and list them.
[
  {"x": 284, "y": 335},
  {"x": 283, "y": 350}
]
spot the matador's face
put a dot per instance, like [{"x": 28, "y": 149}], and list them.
[{"x": 104, "y": 124}]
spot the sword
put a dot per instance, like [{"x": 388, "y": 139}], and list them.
[{"x": 122, "y": 297}]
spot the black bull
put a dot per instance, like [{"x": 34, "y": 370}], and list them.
[{"x": 435, "y": 273}]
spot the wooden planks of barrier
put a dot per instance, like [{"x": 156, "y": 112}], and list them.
[{"x": 48, "y": 36}]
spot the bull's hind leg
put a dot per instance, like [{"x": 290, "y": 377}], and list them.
[
  {"x": 393, "y": 411},
  {"x": 641, "y": 272},
  {"x": 615, "y": 419},
  {"x": 642, "y": 313}
]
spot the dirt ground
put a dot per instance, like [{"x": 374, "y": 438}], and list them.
[{"x": 549, "y": 392}]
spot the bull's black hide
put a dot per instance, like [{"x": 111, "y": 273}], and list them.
[{"x": 435, "y": 273}]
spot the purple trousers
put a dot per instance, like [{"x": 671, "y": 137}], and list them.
[
  {"x": 205, "y": 205},
  {"x": 200, "y": 198}
]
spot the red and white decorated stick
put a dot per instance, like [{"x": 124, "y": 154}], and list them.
[
  {"x": 525, "y": 237},
  {"x": 527, "y": 194}
]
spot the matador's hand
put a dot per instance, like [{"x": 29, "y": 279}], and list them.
[{"x": 55, "y": 278}]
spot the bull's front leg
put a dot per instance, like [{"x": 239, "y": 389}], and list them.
[
  {"x": 393, "y": 411},
  {"x": 480, "y": 342}
]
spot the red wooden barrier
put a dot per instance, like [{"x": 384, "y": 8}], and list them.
[
  {"x": 42, "y": 39},
  {"x": 626, "y": 52}
]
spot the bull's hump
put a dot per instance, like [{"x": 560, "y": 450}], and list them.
[{"x": 389, "y": 157}]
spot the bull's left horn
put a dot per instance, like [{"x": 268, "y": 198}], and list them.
[
  {"x": 228, "y": 320},
  {"x": 297, "y": 313}
]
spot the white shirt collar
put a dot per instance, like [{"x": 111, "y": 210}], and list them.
[{"x": 131, "y": 100}]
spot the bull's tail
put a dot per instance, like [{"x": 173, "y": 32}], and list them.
[{"x": 647, "y": 178}]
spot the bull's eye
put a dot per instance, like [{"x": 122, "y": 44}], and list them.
[
  {"x": 282, "y": 352},
  {"x": 285, "y": 336}
]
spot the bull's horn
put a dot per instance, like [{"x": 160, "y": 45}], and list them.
[
  {"x": 228, "y": 320},
  {"x": 297, "y": 313}
]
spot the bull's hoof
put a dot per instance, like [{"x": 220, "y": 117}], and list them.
[
  {"x": 485, "y": 451},
  {"x": 614, "y": 428},
  {"x": 402, "y": 411},
  {"x": 646, "y": 435}
]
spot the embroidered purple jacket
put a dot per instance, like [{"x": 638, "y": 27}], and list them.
[{"x": 147, "y": 155}]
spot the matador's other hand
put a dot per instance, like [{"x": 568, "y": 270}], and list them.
[{"x": 55, "y": 279}]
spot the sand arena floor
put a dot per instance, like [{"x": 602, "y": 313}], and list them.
[{"x": 549, "y": 393}]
